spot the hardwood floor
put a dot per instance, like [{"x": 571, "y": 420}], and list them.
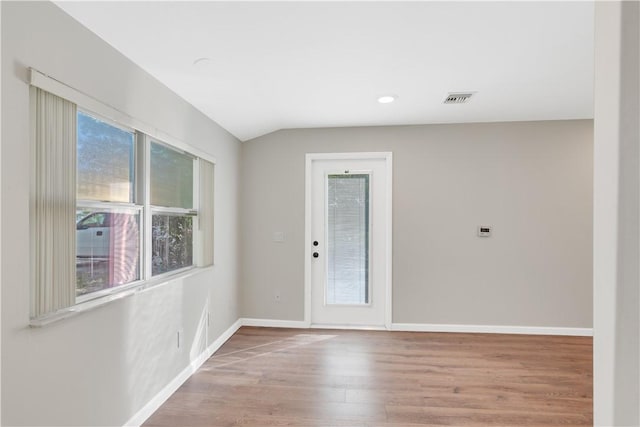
[{"x": 299, "y": 377}]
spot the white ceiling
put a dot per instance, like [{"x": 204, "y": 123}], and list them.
[{"x": 279, "y": 65}]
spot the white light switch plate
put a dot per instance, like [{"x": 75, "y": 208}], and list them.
[{"x": 278, "y": 236}]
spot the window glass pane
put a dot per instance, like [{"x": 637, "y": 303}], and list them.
[
  {"x": 171, "y": 178},
  {"x": 348, "y": 239},
  {"x": 107, "y": 249},
  {"x": 172, "y": 242},
  {"x": 105, "y": 161}
]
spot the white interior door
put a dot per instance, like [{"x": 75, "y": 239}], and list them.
[{"x": 349, "y": 238}]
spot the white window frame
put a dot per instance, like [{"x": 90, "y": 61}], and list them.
[
  {"x": 194, "y": 212},
  {"x": 133, "y": 206},
  {"x": 142, "y": 204}
]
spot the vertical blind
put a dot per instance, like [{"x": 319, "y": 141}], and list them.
[
  {"x": 206, "y": 212},
  {"x": 54, "y": 203}
]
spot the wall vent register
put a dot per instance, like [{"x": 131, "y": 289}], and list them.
[{"x": 458, "y": 98}]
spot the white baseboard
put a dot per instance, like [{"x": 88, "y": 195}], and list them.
[
  {"x": 147, "y": 410},
  {"x": 349, "y": 327},
  {"x": 492, "y": 329},
  {"x": 428, "y": 327},
  {"x": 274, "y": 323}
]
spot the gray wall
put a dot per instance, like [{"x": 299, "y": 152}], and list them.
[
  {"x": 532, "y": 181},
  {"x": 101, "y": 367},
  {"x": 616, "y": 344}
]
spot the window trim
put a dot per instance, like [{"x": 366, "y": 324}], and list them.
[{"x": 107, "y": 120}]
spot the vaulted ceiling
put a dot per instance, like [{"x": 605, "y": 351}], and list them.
[{"x": 275, "y": 65}]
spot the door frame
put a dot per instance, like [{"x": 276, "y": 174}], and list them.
[{"x": 387, "y": 156}]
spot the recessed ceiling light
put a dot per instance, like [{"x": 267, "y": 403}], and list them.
[
  {"x": 387, "y": 99},
  {"x": 202, "y": 62}
]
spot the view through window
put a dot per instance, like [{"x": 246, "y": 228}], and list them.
[
  {"x": 107, "y": 231},
  {"x": 110, "y": 216}
]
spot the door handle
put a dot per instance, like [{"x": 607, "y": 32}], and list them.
[{"x": 316, "y": 254}]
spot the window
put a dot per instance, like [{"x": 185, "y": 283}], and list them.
[
  {"x": 172, "y": 242},
  {"x": 107, "y": 249},
  {"x": 105, "y": 161},
  {"x": 348, "y": 239},
  {"x": 172, "y": 200},
  {"x": 108, "y": 245},
  {"x": 112, "y": 207},
  {"x": 108, "y": 222},
  {"x": 171, "y": 177}
]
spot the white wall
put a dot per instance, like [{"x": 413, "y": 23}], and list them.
[
  {"x": 532, "y": 181},
  {"x": 616, "y": 214},
  {"x": 100, "y": 367}
]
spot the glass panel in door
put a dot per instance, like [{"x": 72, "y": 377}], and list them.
[{"x": 347, "y": 279}]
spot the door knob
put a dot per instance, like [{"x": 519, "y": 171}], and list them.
[{"x": 316, "y": 254}]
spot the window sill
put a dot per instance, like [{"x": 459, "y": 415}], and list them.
[{"x": 93, "y": 303}]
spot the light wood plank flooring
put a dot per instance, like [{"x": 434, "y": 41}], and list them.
[{"x": 294, "y": 377}]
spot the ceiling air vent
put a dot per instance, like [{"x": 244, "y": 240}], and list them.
[{"x": 458, "y": 98}]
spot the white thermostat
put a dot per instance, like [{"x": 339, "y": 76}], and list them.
[{"x": 484, "y": 231}]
